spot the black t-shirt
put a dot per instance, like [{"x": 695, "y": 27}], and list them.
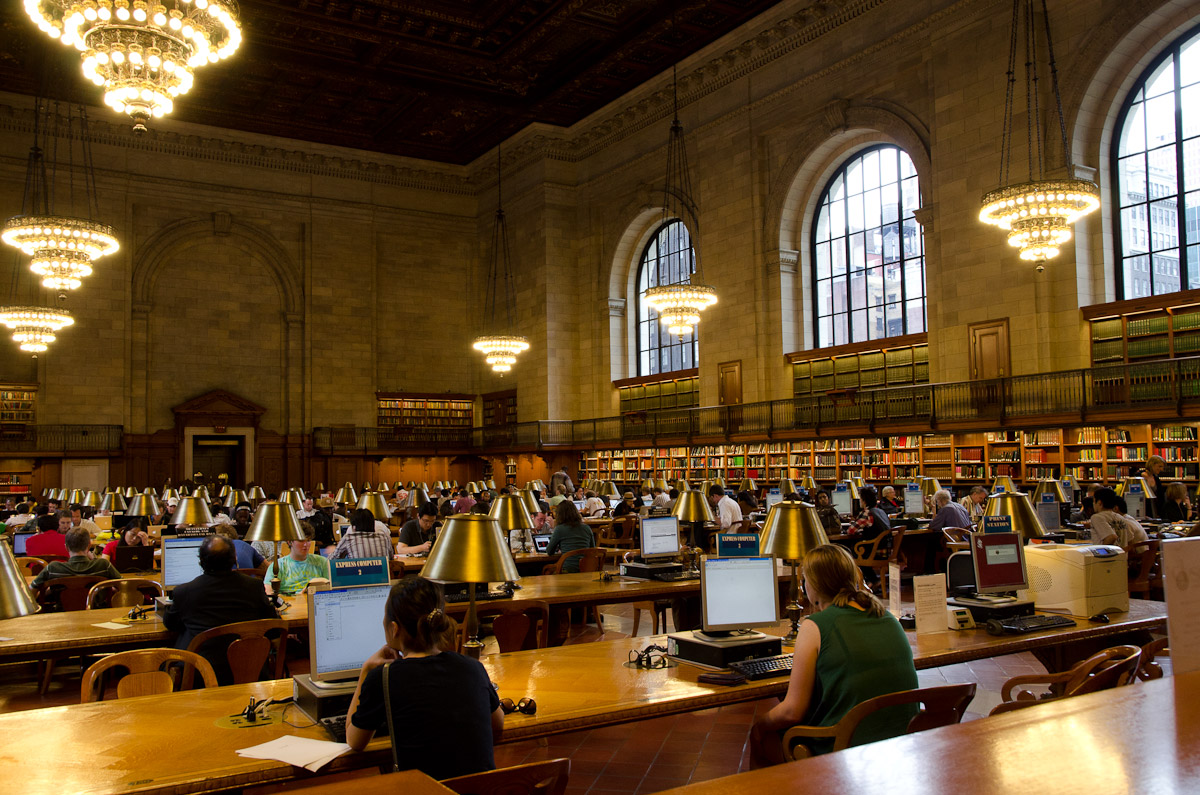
[
  {"x": 442, "y": 711},
  {"x": 411, "y": 534}
]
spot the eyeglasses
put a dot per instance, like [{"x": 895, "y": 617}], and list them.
[
  {"x": 651, "y": 657},
  {"x": 526, "y": 706}
]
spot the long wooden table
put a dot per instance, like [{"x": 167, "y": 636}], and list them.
[
  {"x": 174, "y": 744},
  {"x": 1143, "y": 738}
]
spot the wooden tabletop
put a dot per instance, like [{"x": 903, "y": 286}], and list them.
[
  {"x": 410, "y": 782},
  {"x": 1140, "y": 738}
]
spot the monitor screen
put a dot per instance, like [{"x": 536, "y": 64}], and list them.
[
  {"x": 999, "y": 562},
  {"x": 579, "y": 504},
  {"x": 19, "y": 543},
  {"x": 541, "y": 542},
  {"x": 647, "y": 500},
  {"x": 773, "y": 498},
  {"x": 660, "y": 537},
  {"x": 345, "y": 627},
  {"x": 738, "y": 593},
  {"x": 180, "y": 560}
]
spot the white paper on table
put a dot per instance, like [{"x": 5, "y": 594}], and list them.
[
  {"x": 894, "y": 589},
  {"x": 929, "y": 593},
  {"x": 1181, "y": 581},
  {"x": 111, "y": 625},
  {"x": 3, "y": 639},
  {"x": 299, "y": 751}
]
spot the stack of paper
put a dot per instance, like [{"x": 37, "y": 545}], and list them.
[{"x": 299, "y": 751}]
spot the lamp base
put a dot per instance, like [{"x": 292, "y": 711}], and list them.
[
  {"x": 793, "y": 613},
  {"x": 473, "y": 648}
]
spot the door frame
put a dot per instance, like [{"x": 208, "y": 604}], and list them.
[
  {"x": 721, "y": 366},
  {"x": 972, "y": 329}
]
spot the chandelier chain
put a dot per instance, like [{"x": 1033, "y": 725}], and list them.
[{"x": 1058, "y": 104}]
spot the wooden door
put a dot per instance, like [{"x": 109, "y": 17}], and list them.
[
  {"x": 729, "y": 393},
  {"x": 988, "y": 359}
]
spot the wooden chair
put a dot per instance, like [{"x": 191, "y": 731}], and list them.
[
  {"x": 1112, "y": 667},
  {"x": 63, "y": 594},
  {"x": 31, "y": 566},
  {"x": 125, "y": 592},
  {"x": 146, "y": 676},
  {"x": 658, "y": 612},
  {"x": 871, "y": 555},
  {"x": 1149, "y": 669},
  {"x": 939, "y": 706},
  {"x": 590, "y": 559},
  {"x": 622, "y": 533},
  {"x": 250, "y": 650},
  {"x": 1143, "y": 559},
  {"x": 954, "y": 539},
  {"x": 518, "y": 626},
  {"x": 535, "y": 778}
]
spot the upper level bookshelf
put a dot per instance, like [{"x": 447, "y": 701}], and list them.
[
  {"x": 895, "y": 362},
  {"x": 676, "y": 390},
  {"x": 1161, "y": 327},
  {"x": 417, "y": 409},
  {"x": 500, "y": 408},
  {"x": 17, "y": 403}
]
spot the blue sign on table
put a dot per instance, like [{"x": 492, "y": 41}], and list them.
[
  {"x": 358, "y": 571},
  {"x": 997, "y": 524},
  {"x": 737, "y": 545}
]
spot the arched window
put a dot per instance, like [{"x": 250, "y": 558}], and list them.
[
  {"x": 668, "y": 259},
  {"x": 868, "y": 256},
  {"x": 1156, "y": 157}
]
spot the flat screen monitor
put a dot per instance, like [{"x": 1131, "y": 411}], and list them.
[
  {"x": 345, "y": 627},
  {"x": 180, "y": 560},
  {"x": 737, "y": 594},
  {"x": 773, "y": 498},
  {"x": 579, "y": 504},
  {"x": 19, "y": 543},
  {"x": 660, "y": 537},
  {"x": 999, "y": 562},
  {"x": 647, "y": 500}
]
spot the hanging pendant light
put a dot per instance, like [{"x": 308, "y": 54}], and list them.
[
  {"x": 1038, "y": 213},
  {"x": 34, "y": 327},
  {"x": 500, "y": 350},
  {"x": 679, "y": 305}
]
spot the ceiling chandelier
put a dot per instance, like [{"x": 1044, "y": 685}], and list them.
[
  {"x": 1037, "y": 213},
  {"x": 500, "y": 350},
  {"x": 143, "y": 52},
  {"x": 679, "y": 305},
  {"x": 34, "y": 327}
]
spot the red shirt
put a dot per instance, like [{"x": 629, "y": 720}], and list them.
[{"x": 50, "y": 542}]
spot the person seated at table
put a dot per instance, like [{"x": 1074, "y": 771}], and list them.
[
  {"x": 850, "y": 650},
  {"x": 242, "y": 517},
  {"x": 298, "y": 566},
  {"x": 831, "y": 520},
  {"x": 947, "y": 512},
  {"x": 725, "y": 510},
  {"x": 626, "y": 506},
  {"x": 133, "y": 535},
  {"x": 672, "y": 498},
  {"x": 661, "y": 498},
  {"x": 82, "y": 517},
  {"x": 888, "y": 501},
  {"x": 248, "y": 557},
  {"x": 1176, "y": 505},
  {"x": 464, "y": 503},
  {"x": 560, "y": 494},
  {"x": 593, "y": 505},
  {"x": 167, "y": 511},
  {"x": 364, "y": 539},
  {"x": 446, "y": 715},
  {"x": 975, "y": 503},
  {"x": 1109, "y": 523},
  {"x": 416, "y": 537},
  {"x": 747, "y": 503},
  {"x": 82, "y": 562},
  {"x": 51, "y": 536},
  {"x": 543, "y": 519},
  {"x": 570, "y": 534},
  {"x": 22, "y": 516}
]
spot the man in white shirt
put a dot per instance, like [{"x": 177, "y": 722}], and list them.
[
  {"x": 661, "y": 499},
  {"x": 725, "y": 510},
  {"x": 308, "y": 510},
  {"x": 594, "y": 505},
  {"x": 77, "y": 520},
  {"x": 1108, "y": 524}
]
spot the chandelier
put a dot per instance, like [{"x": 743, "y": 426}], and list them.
[
  {"x": 500, "y": 350},
  {"x": 34, "y": 327},
  {"x": 679, "y": 305},
  {"x": 1038, "y": 213},
  {"x": 143, "y": 52}
]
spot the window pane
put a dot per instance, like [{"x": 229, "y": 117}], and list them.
[
  {"x": 1162, "y": 81},
  {"x": 667, "y": 259},
  {"x": 916, "y": 316},
  {"x": 1166, "y": 272},
  {"x": 1132, "y": 173},
  {"x": 1160, "y": 120},
  {"x": 875, "y": 322},
  {"x": 1191, "y": 168},
  {"x": 822, "y": 260},
  {"x": 1164, "y": 227},
  {"x": 824, "y": 332}
]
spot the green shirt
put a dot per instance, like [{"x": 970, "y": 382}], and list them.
[
  {"x": 296, "y": 573},
  {"x": 568, "y": 538},
  {"x": 861, "y": 657}
]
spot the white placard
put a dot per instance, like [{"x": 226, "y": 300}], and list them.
[
  {"x": 914, "y": 502},
  {"x": 841, "y": 498},
  {"x": 1181, "y": 581},
  {"x": 929, "y": 593},
  {"x": 894, "y": 589}
]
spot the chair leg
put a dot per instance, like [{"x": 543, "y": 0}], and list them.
[
  {"x": 599, "y": 620},
  {"x": 637, "y": 619},
  {"x": 654, "y": 620},
  {"x": 47, "y": 674}
]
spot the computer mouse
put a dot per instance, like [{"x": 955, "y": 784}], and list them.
[{"x": 1099, "y": 618}]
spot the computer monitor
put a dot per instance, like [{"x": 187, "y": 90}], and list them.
[
  {"x": 737, "y": 594},
  {"x": 579, "y": 504},
  {"x": 180, "y": 560},
  {"x": 541, "y": 542},
  {"x": 660, "y": 537},
  {"x": 345, "y": 627},
  {"x": 647, "y": 500},
  {"x": 999, "y": 562},
  {"x": 19, "y": 540},
  {"x": 773, "y": 498}
]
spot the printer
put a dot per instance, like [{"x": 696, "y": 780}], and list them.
[{"x": 1078, "y": 579}]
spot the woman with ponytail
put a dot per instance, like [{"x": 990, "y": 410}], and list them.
[
  {"x": 445, "y": 713},
  {"x": 849, "y": 650}
]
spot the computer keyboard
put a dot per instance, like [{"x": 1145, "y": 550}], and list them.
[
  {"x": 1021, "y": 624},
  {"x": 764, "y": 667},
  {"x": 459, "y": 598},
  {"x": 673, "y": 576},
  {"x": 336, "y": 726}
]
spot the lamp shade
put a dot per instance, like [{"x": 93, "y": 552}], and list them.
[
  {"x": 786, "y": 487},
  {"x": 274, "y": 521},
  {"x": 320, "y": 487},
  {"x": 490, "y": 484},
  {"x": 91, "y": 500},
  {"x": 234, "y": 497},
  {"x": 719, "y": 482},
  {"x": 62, "y": 496},
  {"x": 1050, "y": 486},
  {"x": 692, "y": 506},
  {"x": 610, "y": 490},
  {"x": 143, "y": 505},
  {"x": 410, "y": 485},
  {"x": 257, "y": 493},
  {"x": 201, "y": 492},
  {"x": 153, "y": 492},
  {"x": 1071, "y": 482},
  {"x": 439, "y": 485},
  {"x": 130, "y": 492},
  {"x": 1003, "y": 482},
  {"x": 76, "y": 496},
  {"x": 529, "y": 496},
  {"x": 1016, "y": 504},
  {"x": 376, "y": 503},
  {"x": 423, "y": 486},
  {"x": 471, "y": 548},
  {"x": 930, "y": 486},
  {"x": 224, "y": 492},
  {"x": 416, "y": 498},
  {"x": 192, "y": 512},
  {"x": 113, "y": 502},
  {"x": 383, "y": 487},
  {"x": 169, "y": 494},
  {"x": 15, "y": 598},
  {"x": 808, "y": 483},
  {"x": 367, "y": 486},
  {"x": 855, "y": 494},
  {"x": 647, "y": 484},
  {"x": 660, "y": 483},
  {"x": 791, "y": 530},
  {"x": 1124, "y": 485},
  {"x": 682, "y": 485},
  {"x": 747, "y": 484},
  {"x": 511, "y": 512},
  {"x": 293, "y": 499}
]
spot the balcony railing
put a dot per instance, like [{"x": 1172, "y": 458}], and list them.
[
  {"x": 60, "y": 438},
  {"x": 1161, "y": 389}
]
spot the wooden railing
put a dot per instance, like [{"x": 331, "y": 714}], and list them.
[{"x": 60, "y": 438}]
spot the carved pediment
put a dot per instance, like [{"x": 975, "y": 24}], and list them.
[{"x": 220, "y": 408}]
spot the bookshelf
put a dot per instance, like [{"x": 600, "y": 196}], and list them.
[
  {"x": 16, "y": 479},
  {"x": 1144, "y": 329},
  {"x": 653, "y": 393},
  {"x": 500, "y": 408},
  {"x": 17, "y": 403},
  {"x": 816, "y": 372},
  {"x": 416, "y": 409}
]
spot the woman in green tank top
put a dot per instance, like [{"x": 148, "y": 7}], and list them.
[{"x": 850, "y": 650}]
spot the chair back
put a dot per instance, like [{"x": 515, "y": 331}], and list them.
[
  {"x": 31, "y": 566},
  {"x": 518, "y": 626},
  {"x": 396, "y": 569},
  {"x": 250, "y": 649},
  {"x": 1142, "y": 558},
  {"x": 1114, "y": 667},
  {"x": 125, "y": 592},
  {"x": 536, "y": 778},
  {"x": 66, "y": 593},
  {"x": 1148, "y": 669},
  {"x": 590, "y": 559},
  {"x": 146, "y": 676}
]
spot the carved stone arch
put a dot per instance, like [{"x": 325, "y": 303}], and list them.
[
  {"x": 640, "y": 221},
  {"x": 182, "y": 235}
]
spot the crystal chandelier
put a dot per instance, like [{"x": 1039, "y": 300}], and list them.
[
  {"x": 679, "y": 305},
  {"x": 34, "y": 327},
  {"x": 1038, "y": 213},
  {"x": 500, "y": 350},
  {"x": 143, "y": 52}
]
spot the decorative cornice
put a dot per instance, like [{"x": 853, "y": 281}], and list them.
[
  {"x": 616, "y": 307},
  {"x": 784, "y": 260}
]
